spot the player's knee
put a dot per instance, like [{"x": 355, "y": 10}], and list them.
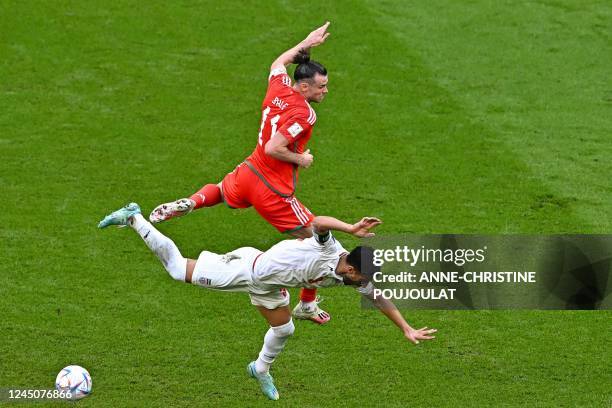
[
  {"x": 177, "y": 269},
  {"x": 285, "y": 330}
]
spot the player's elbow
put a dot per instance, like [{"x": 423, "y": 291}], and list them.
[
  {"x": 272, "y": 150},
  {"x": 318, "y": 225}
]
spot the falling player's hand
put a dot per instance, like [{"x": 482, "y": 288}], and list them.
[
  {"x": 362, "y": 228},
  {"x": 420, "y": 334},
  {"x": 317, "y": 37},
  {"x": 306, "y": 159}
]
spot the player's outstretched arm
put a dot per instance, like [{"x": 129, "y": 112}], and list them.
[
  {"x": 317, "y": 37},
  {"x": 414, "y": 335},
  {"x": 361, "y": 229}
]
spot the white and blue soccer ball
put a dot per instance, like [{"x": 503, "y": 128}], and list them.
[{"x": 75, "y": 380}]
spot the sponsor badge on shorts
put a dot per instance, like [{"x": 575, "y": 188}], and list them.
[{"x": 295, "y": 129}]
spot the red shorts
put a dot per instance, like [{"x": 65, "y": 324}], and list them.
[{"x": 242, "y": 188}]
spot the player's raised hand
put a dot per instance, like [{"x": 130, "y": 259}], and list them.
[
  {"x": 362, "y": 228},
  {"x": 420, "y": 334},
  {"x": 306, "y": 159},
  {"x": 317, "y": 37}
]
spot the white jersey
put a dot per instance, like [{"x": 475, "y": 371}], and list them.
[{"x": 308, "y": 263}]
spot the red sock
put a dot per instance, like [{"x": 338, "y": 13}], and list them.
[
  {"x": 207, "y": 196},
  {"x": 308, "y": 295}
]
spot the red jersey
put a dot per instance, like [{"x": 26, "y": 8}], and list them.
[{"x": 286, "y": 111}]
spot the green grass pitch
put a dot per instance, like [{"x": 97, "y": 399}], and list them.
[{"x": 445, "y": 116}]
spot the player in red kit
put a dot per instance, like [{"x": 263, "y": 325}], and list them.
[{"x": 267, "y": 179}]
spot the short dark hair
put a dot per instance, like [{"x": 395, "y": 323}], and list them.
[
  {"x": 306, "y": 69},
  {"x": 362, "y": 258}
]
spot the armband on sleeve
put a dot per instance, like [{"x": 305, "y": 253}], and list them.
[
  {"x": 323, "y": 239},
  {"x": 277, "y": 71}
]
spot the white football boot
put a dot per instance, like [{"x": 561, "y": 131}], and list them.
[
  {"x": 176, "y": 208},
  {"x": 315, "y": 314}
]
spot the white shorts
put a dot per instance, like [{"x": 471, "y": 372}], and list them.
[
  {"x": 279, "y": 297},
  {"x": 231, "y": 272}
]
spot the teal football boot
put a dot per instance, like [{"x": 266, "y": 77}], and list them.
[
  {"x": 121, "y": 216},
  {"x": 266, "y": 382}
]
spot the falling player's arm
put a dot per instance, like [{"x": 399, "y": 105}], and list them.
[
  {"x": 323, "y": 224},
  {"x": 317, "y": 37},
  {"x": 387, "y": 308}
]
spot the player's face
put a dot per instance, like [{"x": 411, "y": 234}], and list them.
[
  {"x": 352, "y": 277},
  {"x": 317, "y": 89}
]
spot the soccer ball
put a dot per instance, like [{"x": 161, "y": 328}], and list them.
[{"x": 75, "y": 380}]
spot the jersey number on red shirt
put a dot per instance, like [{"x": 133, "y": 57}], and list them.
[{"x": 273, "y": 123}]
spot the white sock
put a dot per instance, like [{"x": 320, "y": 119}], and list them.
[
  {"x": 165, "y": 249},
  {"x": 274, "y": 342}
]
